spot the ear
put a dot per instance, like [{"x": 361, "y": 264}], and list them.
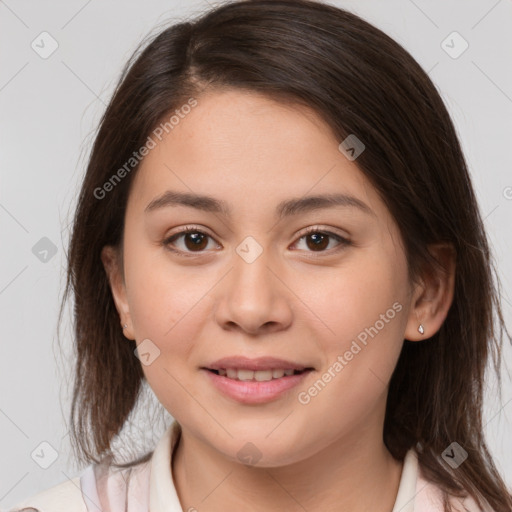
[
  {"x": 113, "y": 267},
  {"x": 433, "y": 296}
]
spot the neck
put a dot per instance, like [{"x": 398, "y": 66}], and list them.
[{"x": 351, "y": 474}]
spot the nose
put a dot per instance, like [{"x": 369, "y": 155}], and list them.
[{"x": 254, "y": 297}]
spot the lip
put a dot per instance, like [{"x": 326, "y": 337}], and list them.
[
  {"x": 253, "y": 392},
  {"x": 259, "y": 363}
]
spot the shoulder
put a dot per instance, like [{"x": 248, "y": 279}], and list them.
[
  {"x": 429, "y": 498},
  {"x": 102, "y": 486},
  {"x": 64, "y": 497},
  {"x": 99, "y": 487}
]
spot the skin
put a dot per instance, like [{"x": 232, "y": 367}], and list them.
[{"x": 294, "y": 302}]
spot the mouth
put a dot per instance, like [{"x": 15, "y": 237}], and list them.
[
  {"x": 255, "y": 381},
  {"x": 242, "y": 374}
]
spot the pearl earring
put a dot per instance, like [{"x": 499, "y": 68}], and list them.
[{"x": 421, "y": 330}]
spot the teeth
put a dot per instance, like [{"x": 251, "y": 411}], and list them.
[
  {"x": 259, "y": 375},
  {"x": 262, "y": 375},
  {"x": 245, "y": 374},
  {"x": 232, "y": 374}
]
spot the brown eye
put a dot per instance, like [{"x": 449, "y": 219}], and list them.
[
  {"x": 195, "y": 241},
  {"x": 318, "y": 241},
  {"x": 192, "y": 240}
]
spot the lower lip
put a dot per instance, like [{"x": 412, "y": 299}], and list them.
[{"x": 253, "y": 392}]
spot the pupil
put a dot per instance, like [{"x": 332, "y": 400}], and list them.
[
  {"x": 197, "y": 238},
  {"x": 319, "y": 240}
]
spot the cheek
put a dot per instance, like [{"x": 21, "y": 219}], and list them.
[
  {"x": 172, "y": 321},
  {"x": 352, "y": 297},
  {"x": 160, "y": 293},
  {"x": 166, "y": 307},
  {"x": 362, "y": 306}
]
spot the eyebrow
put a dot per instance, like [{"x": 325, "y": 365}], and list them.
[{"x": 284, "y": 209}]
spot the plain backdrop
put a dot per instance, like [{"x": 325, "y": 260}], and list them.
[{"x": 49, "y": 110}]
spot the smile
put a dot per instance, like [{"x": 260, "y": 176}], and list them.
[
  {"x": 259, "y": 375},
  {"x": 255, "y": 387}
]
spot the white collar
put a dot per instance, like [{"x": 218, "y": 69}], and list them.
[
  {"x": 162, "y": 492},
  {"x": 163, "y": 496}
]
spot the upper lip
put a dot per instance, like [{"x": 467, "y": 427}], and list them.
[{"x": 259, "y": 363}]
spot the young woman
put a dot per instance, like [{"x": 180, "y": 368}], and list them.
[{"x": 278, "y": 233}]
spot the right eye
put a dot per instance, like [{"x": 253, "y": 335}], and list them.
[{"x": 194, "y": 241}]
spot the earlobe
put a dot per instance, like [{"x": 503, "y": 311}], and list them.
[
  {"x": 433, "y": 297},
  {"x": 111, "y": 263}
]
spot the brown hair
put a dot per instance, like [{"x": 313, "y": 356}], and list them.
[{"x": 361, "y": 82}]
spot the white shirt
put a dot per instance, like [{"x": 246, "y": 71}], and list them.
[{"x": 149, "y": 487}]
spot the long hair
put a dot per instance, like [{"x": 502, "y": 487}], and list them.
[{"x": 360, "y": 81}]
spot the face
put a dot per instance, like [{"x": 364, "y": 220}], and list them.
[{"x": 324, "y": 289}]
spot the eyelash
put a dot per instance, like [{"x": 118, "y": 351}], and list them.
[{"x": 343, "y": 242}]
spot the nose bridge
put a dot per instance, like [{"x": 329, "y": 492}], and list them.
[
  {"x": 251, "y": 277},
  {"x": 252, "y": 296}
]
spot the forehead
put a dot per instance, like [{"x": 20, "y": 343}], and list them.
[{"x": 236, "y": 142}]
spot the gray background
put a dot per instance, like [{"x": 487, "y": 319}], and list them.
[{"x": 49, "y": 110}]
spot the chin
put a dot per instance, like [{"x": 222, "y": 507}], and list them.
[{"x": 258, "y": 450}]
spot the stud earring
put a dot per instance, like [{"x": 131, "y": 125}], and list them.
[{"x": 421, "y": 330}]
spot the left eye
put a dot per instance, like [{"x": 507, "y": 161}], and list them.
[
  {"x": 195, "y": 240},
  {"x": 319, "y": 240}
]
